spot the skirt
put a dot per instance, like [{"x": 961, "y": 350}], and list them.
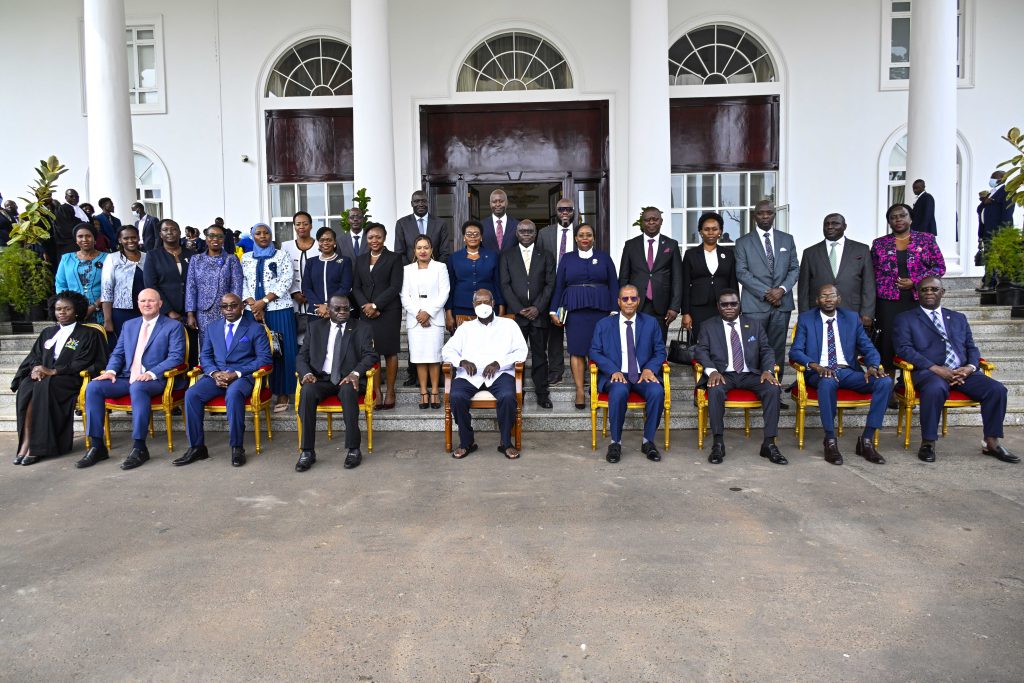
[
  {"x": 425, "y": 343},
  {"x": 885, "y": 313},
  {"x": 579, "y": 330},
  {"x": 282, "y": 380},
  {"x": 387, "y": 331}
]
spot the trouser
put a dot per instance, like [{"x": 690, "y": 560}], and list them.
[
  {"x": 556, "y": 352},
  {"x": 618, "y": 395},
  {"x": 648, "y": 308},
  {"x": 204, "y": 391},
  {"x": 776, "y": 328},
  {"x": 504, "y": 391},
  {"x": 537, "y": 338},
  {"x": 880, "y": 389},
  {"x": 311, "y": 395},
  {"x": 142, "y": 393},
  {"x": 769, "y": 394},
  {"x": 933, "y": 391}
]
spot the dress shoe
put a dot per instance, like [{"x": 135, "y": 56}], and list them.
[
  {"x": 353, "y": 459},
  {"x": 1000, "y": 453},
  {"x": 926, "y": 452},
  {"x": 544, "y": 401},
  {"x": 832, "y": 453},
  {"x": 717, "y": 453},
  {"x": 555, "y": 379},
  {"x": 17, "y": 459},
  {"x": 135, "y": 459},
  {"x": 29, "y": 459},
  {"x": 614, "y": 453},
  {"x": 306, "y": 460},
  {"x": 984, "y": 290},
  {"x": 410, "y": 381},
  {"x": 866, "y": 448},
  {"x": 774, "y": 455},
  {"x": 92, "y": 456},
  {"x": 783, "y": 405},
  {"x": 237, "y": 457},
  {"x": 651, "y": 451},
  {"x": 191, "y": 455}
]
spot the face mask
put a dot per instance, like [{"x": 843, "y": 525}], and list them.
[
  {"x": 993, "y": 183},
  {"x": 483, "y": 311}
]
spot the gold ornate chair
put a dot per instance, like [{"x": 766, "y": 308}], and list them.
[
  {"x": 907, "y": 398},
  {"x": 807, "y": 397},
  {"x": 331, "y": 406},
  {"x": 742, "y": 399},
  {"x": 599, "y": 400}
]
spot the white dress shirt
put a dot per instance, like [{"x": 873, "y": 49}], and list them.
[
  {"x": 149, "y": 336},
  {"x": 773, "y": 235},
  {"x": 840, "y": 358},
  {"x": 500, "y": 340},
  {"x": 840, "y": 244},
  {"x": 336, "y": 329},
  {"x": 80, "y": 214},
  {"x": 728, "y": 346},
  {"x": 624, "y": 360},
  {"x": 426, "y": 222},
  {"x": 57, "y": 341},
  {"x": 711, "y": 259}
]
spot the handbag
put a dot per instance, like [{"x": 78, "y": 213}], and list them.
[
  {"x": 276, "y": 342},
  {"x": 680, "y": 349},
  {"x": 979, "y": 256}
]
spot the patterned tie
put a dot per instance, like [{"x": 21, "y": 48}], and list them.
[
  {"x": 140, "y": 348},
  {"x": 498, "y": 232},
  {"x": 561, "y": 247},
  {"x": 229, "y": 336},
  {"x": 952, "y": 361},
  {"x": 833, "y": 261},
  {"x": 769, "y": 252},
  {"x": 833, "y": 357},
  {"x": 634, "y": 369},
  {"x": 650, "y": 268},
  {"x": 355, "y": 245},
  {"x": 423, "y": 228},
  {"x": 737, "y": 348}
]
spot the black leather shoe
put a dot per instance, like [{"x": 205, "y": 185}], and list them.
[
  {"x": 651, "y": 451},
  {"x": 832, "y": 453},
  {"x": 92, "y": 456},
  {"x": 353, "y": 459},
  {"x": 614, "y": 453},
  {"x": 306, "y": 460},
  {"x": 926, "y": 452},
  {"x": 17, "y": 459},
  {"x": 544, "y": 402},
  {"x": 29, "y": 459},
  {"x": 135, "y": 459},
  {"x": 191, "y": 455},
  {"x": 410, "y": 381},
  {"x": 774, "y": 455},
  {"x": 1000, "y": 453},
  {"x": 237, "y": 457},
  {"x": 866, "y": 448},
  {"x": 717, "y": 453}
]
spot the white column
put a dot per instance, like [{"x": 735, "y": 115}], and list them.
[
  {"x": 931, "y": 118},
  {"x": 111, "y": 164},
  {"x": 650, "y": 166},
  {"x": 372, "y": 125}
]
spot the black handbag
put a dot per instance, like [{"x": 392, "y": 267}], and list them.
[{"x": 680, "y": 349}]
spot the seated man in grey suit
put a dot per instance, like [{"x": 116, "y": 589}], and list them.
[
  {"x": 736, "y": 355},
  {"x": 842, "y": 262}
]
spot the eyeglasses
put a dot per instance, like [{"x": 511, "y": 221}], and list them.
[
  {"x": 564, "y": 209},
  {"x": 234, "y": 304},
  {"x": 214, "y": 236},
  {"x": 828, "y": 297},
  {"x": 629, "y": 298},
  {"x": 929, "y": 290},
  {"x": 728, "y": 304}
]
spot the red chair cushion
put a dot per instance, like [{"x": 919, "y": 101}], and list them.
[
  {"x": 741, "y": 395},
  {"x": 955, "y": 395},
  {"x": 841, "y": 395},
  {"x": 219, "y": 402},
  {"x": 333, "y": 402},
  {"x": 633, "y": 398},
  {"x": 126, "y": 400}
]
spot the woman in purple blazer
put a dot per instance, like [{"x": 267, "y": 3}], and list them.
[{"x": 901, "y": 260}]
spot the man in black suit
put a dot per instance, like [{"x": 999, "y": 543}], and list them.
[
  {"x": 353, "y": 243},
  {"x": 736, "y": 354},
  {"x": 69, "y": 215},
  {"x": 557, "y": 240},
  {"x": 922, "y": 215},
  {"x": 148, "y": 227},
  {"x": 652, "y": 263},
  {"x": 499, "y": 229},
  {"x": 334, "y": 358},
  {"x": 419, "y": 222},
  {"x": 527, "y": 282},
  {"x": 995, "y": 211},
  {"x": 842, "y": 262}
]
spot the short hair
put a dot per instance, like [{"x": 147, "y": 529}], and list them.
[
  {"x": 77, "y": 300},
  {"x": 930, "y": 277},
  {"x": 834, "y": 213},
  {"x": 375, "y": 226},
  {"x": 324, "y": 230},
  {"x": 171, "y": 222},
  {"x": 888, "y": 212},
  {"x": 138, "y": 204},
  {"x": 117, "y": 237},
  {"x": 84, "y": 226},
  {"x": 423, "y": 238},
  {"x": 765, "y": 202},
  {"x": 471, "y": 223},
  {"x": 584, "y": 225},
  {"x": 104, "y": 200},
  {"x": 708, "y": 215},
  {"x": 526, "y": 221},
  {"x": 417, "y": 193},
  {"x": 498, "y": 191},
  {"x": 623, "y": 288},
  {"x": 214, "y": 227},
  {"x": 820, "y": 288},
  {"x": 724, "y": 292},
  {"x": 302, "y": 213}
]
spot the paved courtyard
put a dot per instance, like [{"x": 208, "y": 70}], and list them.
[{"x": 556, "y": 567}]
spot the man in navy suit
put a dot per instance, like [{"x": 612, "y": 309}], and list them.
[
  {"x": 148, "y": 227},
  {"x": 828, "y": 342},
  {"x": 629, "y": 351},
  {"x": 499, "y": 230},
  {"x": 923, "y": 213},
  {"x": 995, "y": 211},
  {"x": 653, "y": 264},
  {"x": 938, "y": 343},
  {"x": 146, "y": 348},
  {"x": 234, "y": 348},
  {"x": 736, "y": 354}
]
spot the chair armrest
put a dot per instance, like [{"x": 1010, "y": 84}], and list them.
[
  {"x": 194, "y": 374},
  {"x": 263, "y": 372},
  {"x": 175, "y": 371},
  {"x": 446, "y": 370},
  {"x": 593, "y": 383},
  {"x": 666, "y": 372},
  {"x": 986, "y": 366},
  {"x": 519, "y": 379},
  {"x": 371, "y": 385},
  {"x": 796, "y": 366},
  {"x": 775, "y": 371},
  {"x": 801, "y": 380},
  {"x": 902, "y": 364},
  {"x": 698, "y": 370}
]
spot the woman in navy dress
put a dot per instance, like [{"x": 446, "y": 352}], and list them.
[
  {"x": 469, "y": 269},
  {"x": 328, "y": 274},
  {"x": 210, "y": 277},
  {"x": 586, "y": 289}
]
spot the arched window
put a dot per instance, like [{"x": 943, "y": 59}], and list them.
[
  {"x": 314, "y": 67},
  {"x": 717, "y": 54},
  {"x": 514, "y": 61},
  {"x": 151, "y": 187}
]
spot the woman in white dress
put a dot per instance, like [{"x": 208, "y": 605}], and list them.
[{"x": 425, "y": 288}]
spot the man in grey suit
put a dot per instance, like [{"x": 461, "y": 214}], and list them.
[
  {"x": 557, "y": 240},
  {"x": 527, "y": 283},
  {"x": 842, "y": 262},
  {"x": 768, "y": 268},
  {"x": 419, "y": 222},
  {"x": 347, "y": 242}
]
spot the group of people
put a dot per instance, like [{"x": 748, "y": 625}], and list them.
[{"x": 510, "y": 291}]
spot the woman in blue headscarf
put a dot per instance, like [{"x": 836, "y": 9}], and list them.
[{"x": 267, "y": 275}]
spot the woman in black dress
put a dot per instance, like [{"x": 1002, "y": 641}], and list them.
[
  {"x": 707, "y": 270},
  {"x": 48, "y": 381},
  {"x": 377, "y": 289}
]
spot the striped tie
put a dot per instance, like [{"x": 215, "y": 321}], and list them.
[
  {"x": 737, "y": 349},
  {"x": 952, "y": 361},
  {"x": 770, "y": 253},
  {"x": 833, "y": 357}
]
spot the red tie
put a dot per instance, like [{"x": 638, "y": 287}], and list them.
[
  {"x": 498, "y": 232},
  {"x": 650, "y": 268}
]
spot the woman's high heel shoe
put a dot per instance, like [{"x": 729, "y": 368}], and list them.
[
  {"x": 435, "y": 404},
  {"x": 424, "y": 404}
]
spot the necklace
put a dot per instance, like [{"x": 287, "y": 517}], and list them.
[{"x": 472, "y": 253}]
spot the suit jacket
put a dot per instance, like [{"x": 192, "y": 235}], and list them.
[
  {"x": 521, "y": 290},
  {"x": 550, "y": 239},
  {"x": 666, "y": 276},
  {"x": 918, "y": 341},
  {"x": 164, "y": 350},
  {"x": 924, "y": 259},
  {"x": 161, "y": 273},
  {"x": 84, "y": 349},
  {"x": 700, "y": 287},
  {"x": 853, "y": 339},
  {"x": 752, "y": 269},
  {"x": 712, "y": 349},
  {"x": 345, "y": 247},
  {"x": 994, "y": 214},
  {"x": 407, "y": 230},
  {"x": 250, "y": 347},
  {"x": 855, "y": 279},
  {"x": 922, "y": 215},
  {"x": 436, "y": 293},
  {"x": 508, "y": 234},
  {"x": 356, "y": 350},
  {"x": 382, "y": 285},
  {"x": 149, "y": 233},
  {"x": 64, "y": 229},
  {"x": 606, "y": 349}
]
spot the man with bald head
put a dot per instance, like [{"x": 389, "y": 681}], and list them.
[
  {"x": 146, "y": 349},
  {"x": 499, "y": 229}
]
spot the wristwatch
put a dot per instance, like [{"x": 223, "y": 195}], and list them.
[{"x": 265, "y": 300}]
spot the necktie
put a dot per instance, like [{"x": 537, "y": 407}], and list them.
[
  {"x": 952, "y": 361},
  {"x": 634, "y": 369},
  {"x": 355, "y": 245},
  {"x": 737, "y": 348},
  {"x": 140, "y": 348},
  {"x": 650, "y": 268},
  {"x": 423, "y": 228},
  {"x": 527, "y": 257},
  {"x": 561, "y": 247},
  {"x": 833, "y": 358},
  {"x": 498, "y": 233},
  {"x": 229, "y": 336},
  {"x": 769, "y": 252},
  {"x": 336, "y": 356},
  {"x": 832, "y": 259}
]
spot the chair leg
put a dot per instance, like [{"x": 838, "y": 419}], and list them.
[
  {"x": 877, "y": 431},
  {"x": 266, "y": 416},
  {"x": 604, "y": 423},
  {"x": 167, "y": 423},
  {"x": 839, "y": 413},
  {"x": 298, "y": 425},
  {"x": 800, "y": 416},
  {"x": 746, "y": 422},
  {"x": 907, "y": 412},
  {"x": 447, "y": 431},
  {"x": 945, "y": 421},
  {"x": 668, "y": 419},
  {"x": 330, "y": 426},
  {"x": 151, "y": 432},
  {"x": 106, "y": 426},
  {"x": 899, "y": 420},
  {"x": 700, "y": 426},
  {"x": 593, "y": 428},
  {"x": 369, "y": 432}
]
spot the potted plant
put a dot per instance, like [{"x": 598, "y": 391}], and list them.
[{"x": 1005, "y": 258}]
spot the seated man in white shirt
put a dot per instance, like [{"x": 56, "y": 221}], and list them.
[{"x": 484, "y": 352}]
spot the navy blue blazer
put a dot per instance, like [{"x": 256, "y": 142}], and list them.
[
  {"x": 339, "y": 280},
  {"x": 164, "y": 351},
  {"x": 466, "y": 276},
  {"x": 250, "y": 347},
  {"x": 994, "y": 214},
  {"x": 606, "y": 349},
  {"x": 853, "y": 339},
  {"x": 923, "y": 214},
  {"x": 918, "y": 342},
  {"x": 508, "y": 234}
]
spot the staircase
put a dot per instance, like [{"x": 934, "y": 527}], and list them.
[{"x": 1000, "y": 338}]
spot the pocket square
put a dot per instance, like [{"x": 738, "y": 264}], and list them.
[
  {"x": 244, "y": 339},
  {"x": 782, "y": 249},
  {"x": 751, "y": 338},
  {"x": 667, "y": 250}
]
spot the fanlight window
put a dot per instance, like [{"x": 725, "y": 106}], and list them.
[
  {"x": 718, "y": 54},
  {"x": 514, "y": 61},
  {"x": 316, "y": 67}
]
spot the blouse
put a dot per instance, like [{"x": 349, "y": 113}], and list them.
[
  {"x": 119, "y": 280},
  {"x": 277, "y": 279}
]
